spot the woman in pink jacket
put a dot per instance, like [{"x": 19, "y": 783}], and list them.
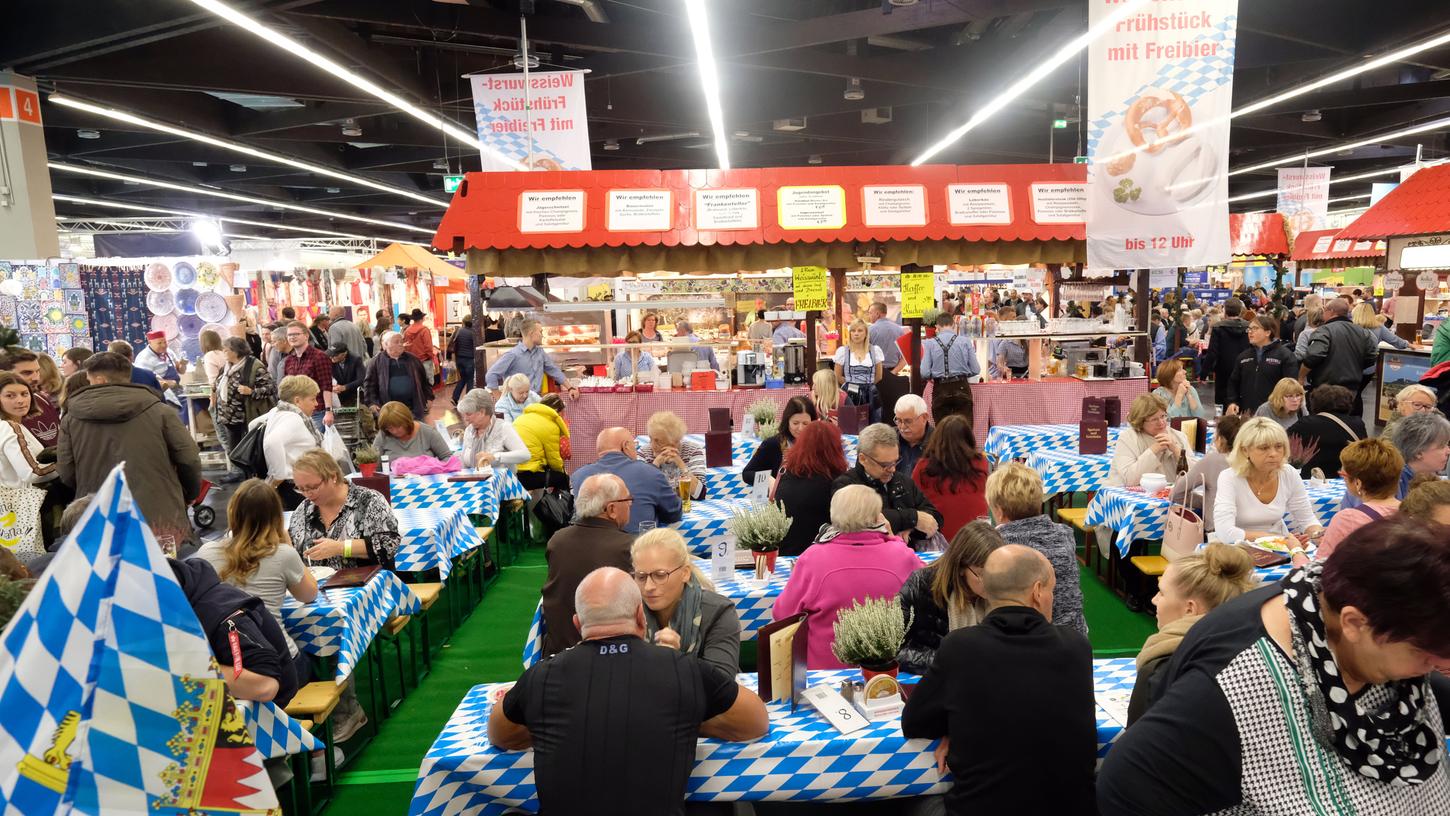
[{"x": 856, "y": 558}]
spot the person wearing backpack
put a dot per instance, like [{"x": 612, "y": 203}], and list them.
[{"x": 243, "y": 391}]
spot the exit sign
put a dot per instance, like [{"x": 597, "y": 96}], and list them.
[
  {"x": 1079, "y": 159},
  {"x": 450, "y": 183},
  {"x": 1059, "y": 124}
]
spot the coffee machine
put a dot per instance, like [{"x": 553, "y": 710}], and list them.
[
  {"x": 750, "y": 369},
  {"x": 793, "y": 357}
]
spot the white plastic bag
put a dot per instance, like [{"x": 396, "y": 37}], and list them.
[{"x": 337, "y": 449}]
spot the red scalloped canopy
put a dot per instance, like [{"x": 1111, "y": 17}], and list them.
[
  {"x": 484, "y": 213},
  {"x": 1420, "y": 205},
  {"x": 1333, "y": 247},
  {"x": 1257, "y": 234}
]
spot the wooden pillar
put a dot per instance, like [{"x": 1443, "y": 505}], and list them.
[
  {"x": 1142, "y": 346},
  {"x": 838, "y": 291},
  {"x": 811, "y": 319},
  {"x": 914, "y": 323}
]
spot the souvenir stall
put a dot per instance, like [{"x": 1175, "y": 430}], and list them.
[
  {"x": 45, "y": 305},
  {"x": 1259, "y": 243},
  {"x": 404, "y": 277}
]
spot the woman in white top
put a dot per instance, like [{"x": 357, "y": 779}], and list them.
[
  {"x": 487, "y": 440},
  {"x": 213, "y": 358},
  {"x": 290, "y": 433},
  {"x": 1260, "y": 487},
  {"x": 858, "y": 366},
  {"x": 1151, "y": 445},
  {"x": 18, "y": 446}
]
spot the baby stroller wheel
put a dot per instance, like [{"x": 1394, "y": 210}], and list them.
[{"x": 204, "y": 515}]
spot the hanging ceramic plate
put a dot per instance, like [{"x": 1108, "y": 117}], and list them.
[
  {"x": 185, "y": 273},
  {"x": 161, "y": 302},
  {"x": 207, "y": 274},
  {"x": 191, "y": 348},
  {"x": 166, "y": 323},
  {"x": 158, "y": 277},
  {"x": 190, "y": 325},
  {"x": 186, "y": 301},
  {"x": 211, "y": 307}
]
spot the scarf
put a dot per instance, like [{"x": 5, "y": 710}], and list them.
[
  {"x": 1395, "y": 743},
  {"x": 223, "y": 381},
  {"x": 1165, "y": 641},
  {"x": 306, "y": 420},
  {"x": 961, "y": 615},
  {"x": 686, "y": 620}
]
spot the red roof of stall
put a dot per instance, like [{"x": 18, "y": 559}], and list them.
[
  {"x": 1257, "y": 234},
  {"x": 484, "y": 213},
  {"x": 1420, "y": 205},
  {"x": 1327, "y": 245}
]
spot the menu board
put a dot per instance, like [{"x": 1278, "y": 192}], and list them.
[
  {"x": 638, "y": 211},
  {"x": 551, "y": 211},
  {"x": 1059, "y": 203},
  {"x": 817, "y": 206},
  {"x": 969, "y": 204},
  {"x": 730, "y": 209},
  {"x": 897, "y": 205},
  {"x": 918, "y": 293},
  {"x": 810, "y": 288}
]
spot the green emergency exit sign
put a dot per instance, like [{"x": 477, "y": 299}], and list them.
[{"x": 450, "y": 183}]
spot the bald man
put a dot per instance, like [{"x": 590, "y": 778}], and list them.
[
  {"x": 613, "y": 722},
  {"x": 1012, "y": 700},
  {"x": 654, "y": 498},
  {"x": 1339, "y": 352},
  {"x": 596, "y": 539}
]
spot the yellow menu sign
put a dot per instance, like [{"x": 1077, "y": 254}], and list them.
[
  {"x": 810, "y": 288},
  {"x": 918, "y": 293}
]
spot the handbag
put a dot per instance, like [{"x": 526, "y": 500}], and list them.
[
  {"x": 248, "y": 454},
  {"x": 1183, "y": 529},
  {"x": 20, "y": 521},
  {"x": 554, "y": 509}
]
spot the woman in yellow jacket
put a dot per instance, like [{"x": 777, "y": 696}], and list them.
[{"x": 544, "y": 432}]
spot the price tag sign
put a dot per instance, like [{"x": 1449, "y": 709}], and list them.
[
  {"x": 810, "y": 288},
  {"x": 760, "y": 491},
  {"x": 1393, "y": 281},
  {"x": 835, "y": 709},
  {"x": 722, "y": 560},
  {"x": 918, "y": 293}
]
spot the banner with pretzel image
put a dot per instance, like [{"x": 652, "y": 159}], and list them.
[{"x": 1160, "y": 82}]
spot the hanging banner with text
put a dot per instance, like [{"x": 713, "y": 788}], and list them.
[
  {"x": 554, "y": 106},
  {"x": 1160, "y": 82},
  {"x": 1304, "y": 198}
]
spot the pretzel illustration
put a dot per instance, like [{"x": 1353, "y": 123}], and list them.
[{"x": 1167, "y": 130}]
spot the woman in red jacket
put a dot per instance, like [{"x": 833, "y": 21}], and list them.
[{"x": 953, "y": 474}]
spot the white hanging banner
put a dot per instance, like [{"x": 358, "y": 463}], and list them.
[
  {"x": 1160, "y": 83},
  {"x": 1304, "y": 197},
  {"x": 555, "y": 107}
]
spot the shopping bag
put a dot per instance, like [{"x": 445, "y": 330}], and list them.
[
  {"x": 20, "y": 521},
  {"x": 337, "y": 449}
]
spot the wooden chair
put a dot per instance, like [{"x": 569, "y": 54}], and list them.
[
  {"x": 313, "y": 704},
  {"x": 391, "y": 634},
  {"x": 428, "y": 595},
  {"x": 1152, "y": 567}
]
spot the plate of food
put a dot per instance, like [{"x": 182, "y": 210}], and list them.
[
  {"x": 1274, "y": 544},
  {"x": 321, "y": 573}
]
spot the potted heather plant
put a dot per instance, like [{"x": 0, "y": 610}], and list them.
[
  {"x": 763, "y": 411},
  {"x": 869, "y": 633},
  {"x": 760, "y": 530},
  {"x": 366, "y": 459}
]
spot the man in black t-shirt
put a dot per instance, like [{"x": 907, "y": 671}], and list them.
[{"x": 613, "y": 721}]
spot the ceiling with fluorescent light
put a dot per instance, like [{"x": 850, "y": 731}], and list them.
[{"x": 780, "y": 61}]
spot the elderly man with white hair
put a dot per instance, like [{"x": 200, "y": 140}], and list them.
[
  {"x": 913, "y": 428},
  {"x": 397, "y": 376},
  {"x": 595, "y": 539},
  {"x": 487, "y": 440},
  {"x": 878, "y": 466},
  {"x": 615, "y": 720}
]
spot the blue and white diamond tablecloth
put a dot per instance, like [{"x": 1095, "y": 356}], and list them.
[
  {"x": 432, "y": 537},
  {"x": 742, "y": 446},
  {"x": 753, "y": 601},
  {"x": 1136, "y": 516},
  {"x": 803, "y": 758},
  {"x": 479, "y": 498},
  {"x": 275, "y": 733},
  {"x": 342, "y": 622},
  {"x": 707, "y": 522},
  {"x": 1017, "y": 441},
  {"x": 1070, "y": 471}
]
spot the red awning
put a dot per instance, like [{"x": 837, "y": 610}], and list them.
[
  {"x": 1327, "y": 245},
  {"x": 1026, "y": 202},
  {"x": 1257, "y": 234},
  {"x": 1420, "y": 205}
]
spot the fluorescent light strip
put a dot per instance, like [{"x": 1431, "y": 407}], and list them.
[
  {"x": 1332, "y": 181},
  {"x": 709, "y": 77},
  {"x": 1348, "y": 198},
  {"x": 166, "y": 185},
  {"x": 96, "y": 202},
  {"x": 129, "y": 118},
  {"x": 301, "y": 51},
  {"x": 1327, "y": 151},
  {"x": 1036, "y": 75}
]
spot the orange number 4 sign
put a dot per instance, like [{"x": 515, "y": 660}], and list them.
[{"x": 27, "y": 106}]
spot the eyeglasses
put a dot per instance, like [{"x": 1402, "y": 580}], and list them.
[
  {"x": 1421, "y": 407},
  {"x": 883, "y": 465},
  {"x": 908, "y": 420},
  {"x": 312, "y": 488},
  {"x": 625, "y": 499},
  {"x": 658, "y": 576}
]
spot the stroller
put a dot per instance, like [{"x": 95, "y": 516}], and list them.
[{"x": 202, "y": 514}]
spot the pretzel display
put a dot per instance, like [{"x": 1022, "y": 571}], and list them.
[{"x": 1169, "y": 129}]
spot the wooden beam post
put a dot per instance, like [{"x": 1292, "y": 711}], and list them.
[{"x": 1142, "y": 346}]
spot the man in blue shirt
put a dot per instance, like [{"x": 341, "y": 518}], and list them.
[
  {"x": 785, "y": 331},
  {"x": 950, "y": 362},
  {"x": 530, "y": 359},
  {"x": 654, "y": 499},
  {"x": 1009, "y": 357},
  {"x": 882, "y": 332},
  {"x": 704, "y": 353},
  {"x": 139, "y": 375}
]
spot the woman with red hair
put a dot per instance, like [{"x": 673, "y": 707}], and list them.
[{"x": 804, "y": 488}]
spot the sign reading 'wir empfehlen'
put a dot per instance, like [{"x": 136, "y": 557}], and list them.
[
  {"x": 551, "y": 211},
  {"x": 729, "y": 209},
  {"x": 969, "y": 204},
  {"x": 638, "y": 211},
  {"x": 897, "y": 205}
]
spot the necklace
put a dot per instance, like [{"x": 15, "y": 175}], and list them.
[{"x": 1265, "y": 491}]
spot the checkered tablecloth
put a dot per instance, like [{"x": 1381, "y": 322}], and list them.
[
  {"x": 275, "y": 733},
  {"x": 1135, "y": 516},
  {"x": 1017, "y": 441},
  {"x": 342, "y": 622},
  {"x": 802, "y": 758},
  {"x": 1069, "y": 471},
  {"x": 479, "y": 498},
  {"x": 707, "y": 522},
  {"x": 432, "y": 536},
  {"x": 725, "y": 482}
]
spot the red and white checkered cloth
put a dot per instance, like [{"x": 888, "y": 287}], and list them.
[{"x": 1049, "y": 401}]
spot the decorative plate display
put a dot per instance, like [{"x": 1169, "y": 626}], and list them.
[
  {"x": 211, "y": 306},
  {"x": 166, "y": 323},
  {"x": 186, "y": 300},
  {"x": 190, "y": 325},
  {"x": 207, "y": 275},
  {"x": 191, "y": 347},
  {"x": 54, "y": 320},
  {"x": 158, "y": 277},
  {"x": 78, "y": 324},
  {"x": 161, "y": 303},
  {"x": 222, "y": 331},
  {"x": 184, "y": 272}
]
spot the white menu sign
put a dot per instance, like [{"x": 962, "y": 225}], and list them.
[
  {"x": 722, "y": 559},
  {"x": 1054, "y": 203},
  {"x": 638, "y": 211},
  {"x": 733, "y": 209},
  {"x": 551, "y": 211},
  {"x": 818, "y": 206},
  {"x": 979, "y": 204},
  {"x": 893, "y": 206}
]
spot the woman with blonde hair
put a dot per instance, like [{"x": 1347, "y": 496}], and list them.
[
  {"x": 946, "y": 596},
  {"x": 340, "y": 524},
  {"x": 51, "y": 380},
  {"x": 826, "y": 394},
  {"x": 676, "y": 457},
  {"x": 1152, "y": 446},
  {"x": 1428, "y": 500},
  {"x": 682, "y": 609},
  {"x": 290, "y": 433},
  {"x": 1260, "y": 487},
  {"x": 517, "y": 395},
  {"x": 858, "y": 365},
  {"x": 1190, "y": 588},
  {"x": 1285, "y": 404}
]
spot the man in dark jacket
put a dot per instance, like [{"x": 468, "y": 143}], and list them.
[
  {"x": 394, "y": 375},
  {"x": 878, "y": 457},
  {"x": 266, "y": 671},
  {"x": 998, "y": 687},
  {"x": 1339, "y": 352},
  {"x": 1225, "y": 343},
  {"x": 596, "y": 540},
  {"x": 113, "y": 421}
]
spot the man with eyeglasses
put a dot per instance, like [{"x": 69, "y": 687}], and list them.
[
  {"x": 596, "y": 540},
  {"x": 878, "y": 466},
  {"x": 913, "y": 429},
  {"x": 310, "y": 361},
  {"x": 655, "y": 500}
]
